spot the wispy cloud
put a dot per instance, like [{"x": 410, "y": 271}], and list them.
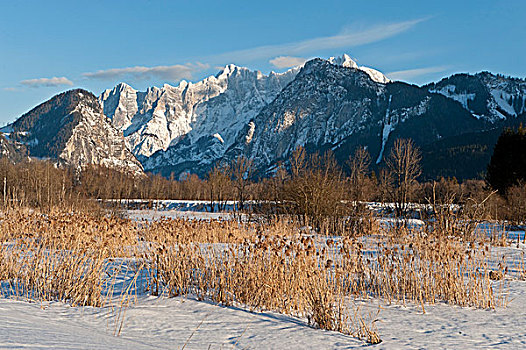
[
  {"x": 175, "y": 72},
  {"x": 287, "y": 61},
  {"x": 11, "y": 89},
  {"x": 414, "y": 73},
  {"x": 280, "y": 55},
  {"x": 47, "y": 82},
  {"x": 346, "y": 39}
]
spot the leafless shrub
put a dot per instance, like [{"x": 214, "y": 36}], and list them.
[
  {"x": 219, "y": 185},
  {"x": 404, "y": 167}
]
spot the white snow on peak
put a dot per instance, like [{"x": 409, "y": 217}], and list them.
[
  {"x": 375, "y": 75},
  {"x": 346, "y": 61},
  {"x": 123, "y": 86},
  {"x": 294, "y": 70},
  {"x": 183, "y": 84},
  {"x": 222, "y": 104},
  {"x": 231, "y": 69},
  {"x": 507, "y": 97}
]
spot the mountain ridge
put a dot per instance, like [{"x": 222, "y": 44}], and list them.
[
  {"x": 325, "y": 104},
  {"x": 155, "y": 119},
  {"x": 329, "y": 107}
]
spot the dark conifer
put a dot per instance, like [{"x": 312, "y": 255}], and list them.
[{"x": 508, "y": 162}]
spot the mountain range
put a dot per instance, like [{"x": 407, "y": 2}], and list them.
[{"x": 322, "y": 105}]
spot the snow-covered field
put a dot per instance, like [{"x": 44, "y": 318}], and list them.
[
  {"x": 175, "y": 323},
  {"x": 161, "y": 323},
  {"x": 148, "y": 214}
]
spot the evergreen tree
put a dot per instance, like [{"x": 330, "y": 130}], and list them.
[{"x": 507, "y": 166}]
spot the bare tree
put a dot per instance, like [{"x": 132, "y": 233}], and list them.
[
  {"x": 359, "y": 164},
  {"x": 298, "y": 161},
  {"x": 219, "y": 183},
  {"x": 404, "y": 167},
  {"x": 315, "y": 190},
  {"x": 241, "y": 168}
]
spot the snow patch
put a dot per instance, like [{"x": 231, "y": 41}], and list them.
[
  {"x": 250, "y": 133},
  {"x": 386, "y": 131},
  {"x": 501, "y": 98},
  {"x": 375, "y": 75},
  {"x": 217, "y": 136},
  {"x": 450, "y": 92},
  {"x": 344, "y": 61}
]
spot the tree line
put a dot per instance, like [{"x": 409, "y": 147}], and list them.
[{"x": 314, "y": 187}]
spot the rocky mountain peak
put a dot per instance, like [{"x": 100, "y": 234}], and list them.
[
  {"x": 154, "y": 120},
  {"x": 72, "y": 129},
  {"x": 324, "y": 104},
  {"x": 344, "y": 60}
]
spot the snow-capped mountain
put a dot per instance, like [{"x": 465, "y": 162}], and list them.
[
  {"x": 324, "y": 104},
  {"x": 336, "y": 104},
  {"x": 195, "y": 123},
  {"x": 210, "y": 111},
  {"x": 346, "y": 61},
  {"x": 341, "y": 108},
  {"x": 71, "y": 129}
]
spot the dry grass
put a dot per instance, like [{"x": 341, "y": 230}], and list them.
[{"x": 72, "y": 257}]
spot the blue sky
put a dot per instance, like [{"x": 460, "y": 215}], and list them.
[{"x": 51, "y": 46}]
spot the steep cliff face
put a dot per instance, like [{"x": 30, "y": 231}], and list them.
[
  {"x": 214, "y": 108},
  {"x": 13, "y": 151},
  {"x": 71, "y": 129}
]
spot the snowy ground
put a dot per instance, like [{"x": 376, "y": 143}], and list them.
[
  {"x": 163, "y": 323},
  {"x": 155, "y": 323},
  {"x": 449, "y": 327},
  {"x": 172, "y": 214},
  {"x": 160, "y": 323}
]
